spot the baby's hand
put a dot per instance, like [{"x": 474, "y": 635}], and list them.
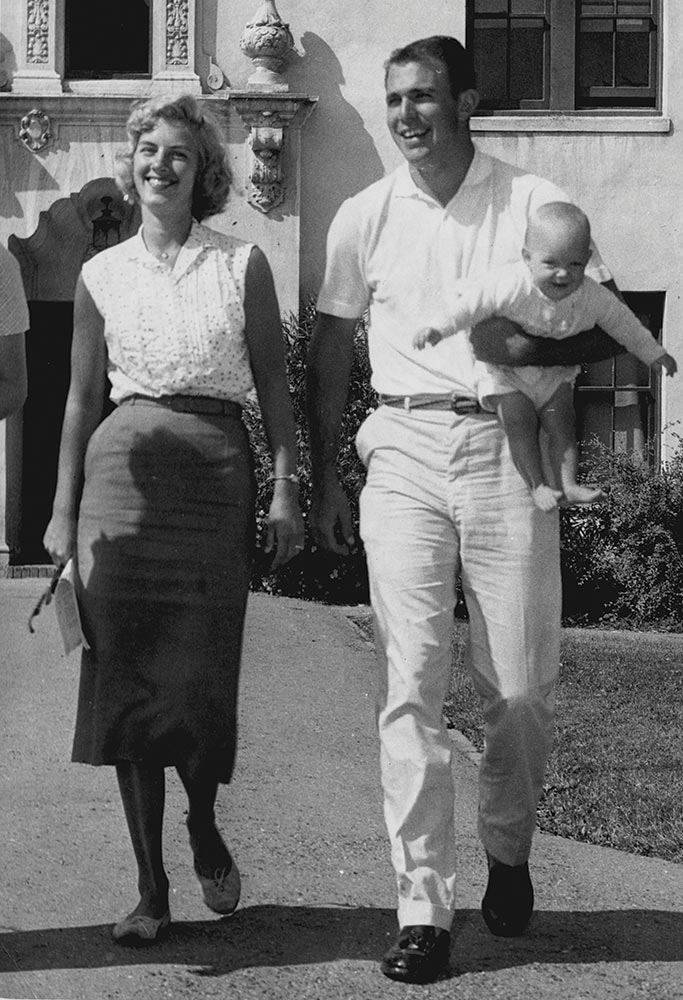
[
  {"x": 427, "y": 336},
  {"x": 668, "y": 364}
]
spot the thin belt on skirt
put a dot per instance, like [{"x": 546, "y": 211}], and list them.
[{"x": 208, "y": 405}]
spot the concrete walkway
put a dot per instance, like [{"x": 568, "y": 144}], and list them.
[{"x": 304, "y": 820}]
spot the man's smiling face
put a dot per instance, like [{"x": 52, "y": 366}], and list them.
[{"x": 422, "y": 114}]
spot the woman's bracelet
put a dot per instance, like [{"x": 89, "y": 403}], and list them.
[{"x": 291, "y": 478}]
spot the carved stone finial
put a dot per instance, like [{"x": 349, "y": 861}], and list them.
[{"x": 267, "y": 41}]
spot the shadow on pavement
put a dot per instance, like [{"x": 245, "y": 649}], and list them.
[{"x": 261, "y": 936}]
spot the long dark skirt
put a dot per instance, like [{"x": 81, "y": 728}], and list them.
[{"x": 165, "y": 550}]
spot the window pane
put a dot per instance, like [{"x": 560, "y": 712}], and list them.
[
  {"x": 105, "y": 39},
  {"x": 521, "y": 7},
  {"x": 621, "y": 410},
  {"x": 594, "y": 418},
  {"x": 599, "y": 374},
  {"x": 635, "y": 8},
  {"x": 600, "y": 8},
  {"x": 631, "y": 372},
  {"x": 490, "y": 7},
  {"x": 490, "y": 62},
  {"x": 631, "y": 421},
  {"x": 622, "y": 8},
  {"x": 526, "y": 62},
  {"x": 633, "y": 55},
  {"x": 595, "y": 59}
]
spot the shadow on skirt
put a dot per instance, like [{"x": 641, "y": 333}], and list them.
[{"x": 165, "y": 549}]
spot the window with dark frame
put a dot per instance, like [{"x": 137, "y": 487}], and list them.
[
  {"x": 565, "y": 55},
  {"x": 617, "y": 400},
  {"x": 107, "y": 40}
]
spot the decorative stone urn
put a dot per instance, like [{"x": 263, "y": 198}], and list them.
[{"x": 267, "y": 41}]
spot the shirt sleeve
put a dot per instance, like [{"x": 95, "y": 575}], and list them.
[
  {"x": 616, "y": 319},
  {"x": 345, "y": 291},
  {"x": 14, "y": 316},
  {"x": 495, "y": 294}
]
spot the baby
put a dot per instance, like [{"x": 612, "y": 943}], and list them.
[{"x": 548, "y": 294}]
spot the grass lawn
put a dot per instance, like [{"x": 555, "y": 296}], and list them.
[{"x": 615, "y": 776}]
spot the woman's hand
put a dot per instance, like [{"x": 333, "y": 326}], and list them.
[
  {"x": 285, "y": 524},
  {"x": 60, "y": 538}
]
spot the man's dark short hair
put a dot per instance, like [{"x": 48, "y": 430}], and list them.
[{"x": 443, "y": 49}]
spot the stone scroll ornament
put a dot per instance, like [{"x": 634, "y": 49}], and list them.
[
  {"x": 267, "y": 182},
  {"x": 35, "y": 130}
]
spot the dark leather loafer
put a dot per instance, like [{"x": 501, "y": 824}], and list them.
[
  {"x": 509, "y": 899},
  {"x": 420, "y": 955}
]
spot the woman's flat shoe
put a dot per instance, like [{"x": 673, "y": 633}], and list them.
[
  {"x": 222, "y": 890},
  {"x": 137, "y": 929}
]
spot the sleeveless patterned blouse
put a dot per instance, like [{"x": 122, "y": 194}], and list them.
[{"x": 176, "y": 330}]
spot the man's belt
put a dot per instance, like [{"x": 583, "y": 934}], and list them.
[
  {"x": 207, "y": 405},
  {"x": 462, "y": 405}
]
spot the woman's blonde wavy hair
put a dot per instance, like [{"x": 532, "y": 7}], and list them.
[{"x": 214, "y": 178}]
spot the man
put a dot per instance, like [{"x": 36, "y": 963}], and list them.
[
  {"x": 14, "y": 322},
  {"x": 442, "y": 497}
]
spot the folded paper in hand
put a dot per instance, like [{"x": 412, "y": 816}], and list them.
[{"x": 67, "y": 610}]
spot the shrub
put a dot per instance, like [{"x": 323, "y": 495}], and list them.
[
  {"x": 622, "y": 559},
  {"x": 314, "y": 575}
]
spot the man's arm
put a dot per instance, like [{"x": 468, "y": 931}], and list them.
[
  {"x": 499, "y": 341},
  {"x": 13, "y": 380},
  {"x": 328, "y": 371}
]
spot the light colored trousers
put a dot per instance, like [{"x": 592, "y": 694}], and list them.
[{"x": 442, "y": 497}]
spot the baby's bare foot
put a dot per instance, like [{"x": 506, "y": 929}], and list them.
[{"x": 546, "y": 498}]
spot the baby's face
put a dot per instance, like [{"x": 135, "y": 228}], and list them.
[{"x": 557, "y": 261}]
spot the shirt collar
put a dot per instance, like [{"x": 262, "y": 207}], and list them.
[
  {"x": 199, "y": 238},
  {"x": 480, "y": 168}
]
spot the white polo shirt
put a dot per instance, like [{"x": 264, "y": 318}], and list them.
[
  {"x": 14, "y": 316},
  {"x": 393, "y": 249}
]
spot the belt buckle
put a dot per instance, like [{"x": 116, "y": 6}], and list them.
[
  {"x": 212, "y": 407},
  {"x": 462, "y": 405},
  {"x": 190, "y": 404}
]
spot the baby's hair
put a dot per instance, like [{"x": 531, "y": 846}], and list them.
[{"x": 560, "y": 213}]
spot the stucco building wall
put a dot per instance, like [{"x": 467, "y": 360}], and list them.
[{"x": 626, "y": 173}]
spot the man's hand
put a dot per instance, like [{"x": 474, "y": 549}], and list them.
[
  {"x": 330, "y": 519},
  {"x": 499, "y": 341}
]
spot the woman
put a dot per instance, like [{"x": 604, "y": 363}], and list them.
[{"x": 156, "y": 502}]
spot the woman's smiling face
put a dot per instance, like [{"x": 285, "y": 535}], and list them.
[{"x": 165, "y": 166}]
